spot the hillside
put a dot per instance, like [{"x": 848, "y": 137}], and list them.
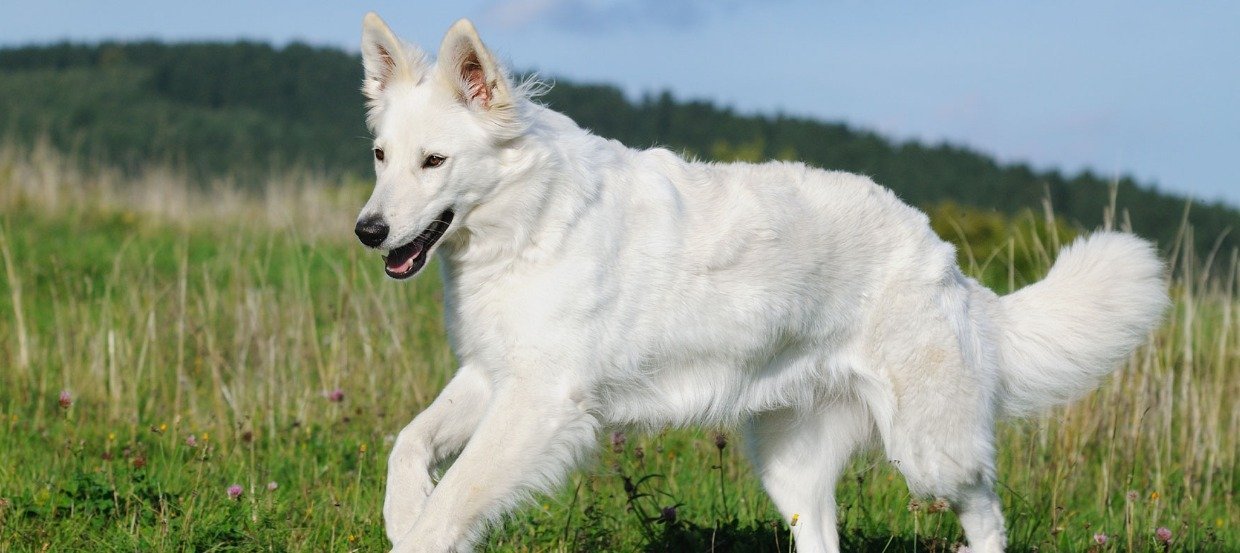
[{"x": 245, "y": 110}]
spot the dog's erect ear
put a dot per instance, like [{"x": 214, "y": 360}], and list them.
[
  {"x": 469, "y": 67},
  {"x": 385, "y": 58}
]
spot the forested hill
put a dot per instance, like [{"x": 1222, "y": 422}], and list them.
[{"x": 248, "y": 109}]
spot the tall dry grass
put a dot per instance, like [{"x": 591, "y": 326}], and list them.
[{"x": 44, "y": 179}]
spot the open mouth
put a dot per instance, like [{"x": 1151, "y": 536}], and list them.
[{"x": 405, "y": 261}]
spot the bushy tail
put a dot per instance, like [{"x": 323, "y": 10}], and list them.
[{"x": 1060, "y": 336}]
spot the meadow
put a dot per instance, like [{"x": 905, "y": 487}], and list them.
[{"x": 201, "y": 367}]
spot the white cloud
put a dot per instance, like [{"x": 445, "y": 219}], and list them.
[
  {"x": 589, "y": 16},
  {"x": 519, "y": 13}
]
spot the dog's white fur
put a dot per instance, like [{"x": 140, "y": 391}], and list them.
[{"x": 588, "y": 285}]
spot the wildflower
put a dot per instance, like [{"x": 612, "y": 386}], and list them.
[
  {"x": 191, "y": 441},
  {"x": 1154, "y": 496},
  {"x": 234, "y": 491},
  {"x": 272, "y": 485},
  {"x": 639, "y": 453},
  {"x": 617, "y": 442},
  {"x": 139, "y": 462},
  {"x": 361, "y": 448},
  {"x": 65, "y": 399},
  {"x": 1132, "y": 495},
  {"x": 1100, "y": 538},
  {"x": 206, "y": 436},
  {"x": 247, "y": 436},
  {"x": 111, "y": 436},
  {"x": 914, "y": 506},
  {"x": 106, "y": 455},
  {"x": 721, "y": 440},
  {"x": 795, "y": 518},
  {"x": 668, "y": 515},
  {"x": 335, "y": 396},
  {"x": 939, "y": 506},
  {"x": 1163, "y": 535}
]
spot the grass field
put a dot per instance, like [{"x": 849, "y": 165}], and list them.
[{"x": 161, "y": 344}]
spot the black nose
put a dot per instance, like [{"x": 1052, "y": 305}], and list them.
[{"x": 371, "y": 231}]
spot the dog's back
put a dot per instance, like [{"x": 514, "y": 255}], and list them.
[{"x": 741, "y": 287}]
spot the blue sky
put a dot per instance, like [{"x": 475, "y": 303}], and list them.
[{"x": 1146, "y": 88}]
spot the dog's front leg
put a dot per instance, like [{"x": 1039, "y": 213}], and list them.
[
  {"x": 528, "y": 441},
  {"x": 435, "y": 434}
]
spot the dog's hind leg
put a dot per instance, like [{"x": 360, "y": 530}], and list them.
[
  {"x": 800, "y": 457},
  {"x": 435, "y": 434},
  {"x": 981, "y": 516},
  {"x": 951, "y": 456},
  {"x": 938, "y": 414}
]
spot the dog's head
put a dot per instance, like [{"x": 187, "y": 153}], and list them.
[{"x": 439, "y": 129}]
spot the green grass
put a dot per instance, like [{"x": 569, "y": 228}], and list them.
[{"x": 230, "y": 319}]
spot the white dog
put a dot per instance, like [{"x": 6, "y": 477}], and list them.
[{"x": 588, "y": 285}]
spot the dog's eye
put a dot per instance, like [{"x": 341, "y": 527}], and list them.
[
  {"x": 433, "y": 160},
  {"x": 379, "y": 154}
]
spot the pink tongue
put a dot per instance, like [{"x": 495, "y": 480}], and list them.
[{"x": 401, "y": 264}]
